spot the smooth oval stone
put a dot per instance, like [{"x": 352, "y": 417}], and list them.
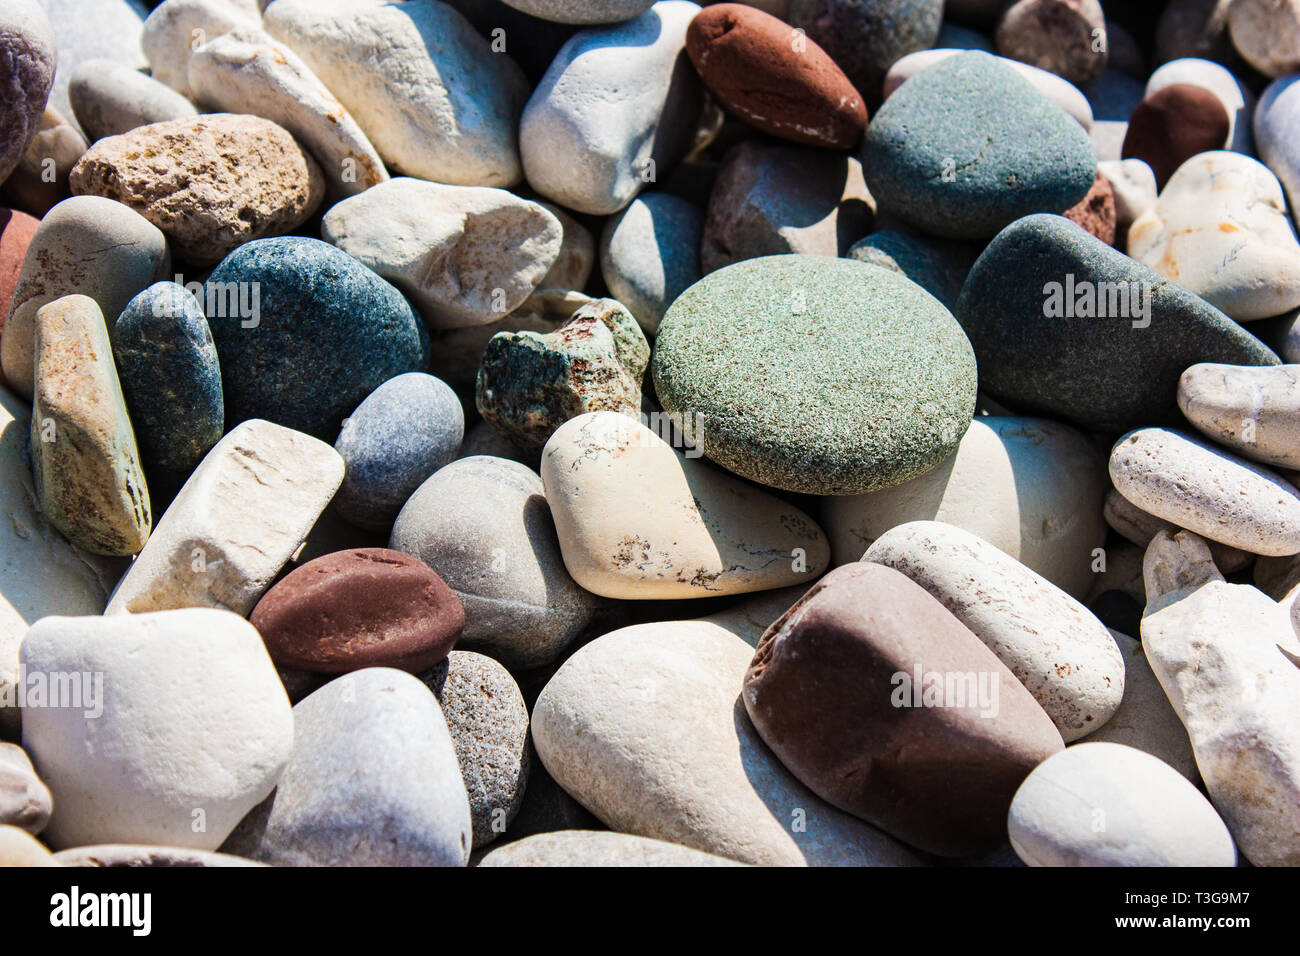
[
  {"x": 962, "y": 149},
  {"x": 650, "y": 254},
  {"x": 594, "y": 848},
  {"x": 609, "y": 728},
  {"x": 372, "y": 781},
  {"x": 370, "y": 607},
  {"x": 466, "y": 255},
  {"x": 531, "y": 383},
  {"x": 85, "y": 245},
  {"x": 582, "y": 11},
  {"x": 1067, "y": 37},
  {"x": 402, "y": 433},
  {"x": 1235, "y": 96},
  {"x": 1172, "y": 125},
  {"x": 25, "y": 802},
  {"x": 1139, "y": 527},
  {"x": 1220, "y": 229},
  {"x": 1104, "y": 804},
  {"x": 902, "y": 687},
  {"x": 27, "y": 62},
  {"x": 110, "y": 98},
  {"x": 1277, "y": 133},
  {"x": 135, "y": 855},
  {"x": 695, "y": 532},
  {"x": 484, "y": 525},
  {"x": 1054, "y": 646},
  {"x": 1067, "y": 327},
  {"x": 312, "y": 334},
  {"x": 172, "y": 29},
  {"x": 778, "y": 81},
  {"x": 181, "y": 728},
  {"x": 1267, "y": 34},
  {"x": 816, "y": 375},
  {"x": 772, "y": 199},
  {"x": 1253, "y": 411},
  {"x": 84, "y": 457},
  {"x": 226, "y": 180},
  {"x": 1031, "y": 487},
  {"x": 937, "y": 266},
  {"x": 171, "y": 378},
  {"x": 1207, "y": 490},
  {"x": 246, "y": 71},
  {"x": 488, "y": 722},
  {"x": 433, "y": 97},
  {"x": 1225, "y": 655},
  {"x": 616, "y": 106},
  {"x": 235, "y": 523}
]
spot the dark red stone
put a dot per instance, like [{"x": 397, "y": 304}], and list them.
[
  {"x": 16, "y": 231},
  {"x": 369, "y": 607},
  {"x": 1172, "y": 125},
  {"x": 1095, "y": 212}
]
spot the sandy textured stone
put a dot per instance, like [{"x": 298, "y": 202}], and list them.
[
  {"x": 1056, "y": 648},
  {"x": 136, "y": 855},
  {"x": 1267, "y": 34},
  {"x": 466, "y": 255},
  {"x": 1226, "y": 657},
  {"x": 27, "y": 58},
  {"x": 176, "y": 28},
  {"x": 1140, "y": 527},
  {"x": 237, "y": 520},
  {"x": 1253, "y": 411},
  {"x": 182, "y": 726},
  {"x": 644, "y": 727},
  {"x": 86, "y": 245},
  {"x": 694, "y": 531},
  {"x": 225, "y": 180},
  {"x": 246, "y": 71},
  {"x": 1204, "y": 489},
  {"x": 1104, "y": 804},
  {"x": 24, "y": 801},
  {"x": 20, "y": 848},
  {"x": 109, "y": 98},
  {"x": 594, "y": 848}
]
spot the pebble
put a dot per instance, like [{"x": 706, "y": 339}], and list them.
[
  {"x": 1105, "y": 804},
  {"x": 369, "y": 607},
  {"x": 455, "y": 354},
  {"x": 109, "y": 98},
  {"x": 16, "y": 232},
  {"x": 465, "y": 255},
  {"x": 85, "y": 245},
  {"x": 1225, "y": 656},
  {"x": 1133, "y": 188},
  {"x": 1095, "y": 212},
  {"x": 194, "y": 731},
  {"x": 372, "y": 781},
  {"x": 695, "y": 532},
  {"x": 170, "y": 377},
  {"x": 402, "y": 433},
  {"x": 1031, "y": 487},
  {"x": 27, "y": 58},
  {"x": 488, "y": 722},
  {"x": 1135, "y": 525},
  {"x": 588, "y": 848},
  {"x": 650, "y": 254},
  {"x": 484, "y": 525},
  {"x": 1253, "y": 411},
  {"x": 1119, "y": 334},
  {"x": 40, "y": 180},
  {"x": 238, "y": 519},
  {"x": 1235, "y": 96},
  {"x": 760, "y": 355},
  {"x": 1267, "y": 34},
  {"x": 1054, "y": 646},
  {"x": 246, "y": 71},
  {"x": 1209, "y": 491},
  {"x": 615, "y": 106},
  {"x": 135, "y": 856},
  {"x": 314, "y": 333},
  {"x": 1172, "y": 125},
  {"x": 25, "y": 802},
  {"x": 1194, "y": 28},
  {"x": 572, "y": 267},
  {"x": 936, "y": 265},
  {"x": 773, "y": 200},
  {"x": 531, "y": 383},
  {"x": 780, "y": 82},
  {"x": 87, "y": 468},
  {"x": 1066, "y": 37},
  {"x": 1220, "y": 229},
  {"x": 170, "y": 32},
  {"x": 582, "y": 11},
  {"x": 433, "y": 97},
  {"x": 20, "y": 848},
  {"x": 887, "y": 706},
  {"x": 961, "y": 150},
  {"x": 1276, "y": 128},
  {"x": 92, "y": 30},
  {"x": 608, "y": 727},
  {"x": 226, "y": 179}
]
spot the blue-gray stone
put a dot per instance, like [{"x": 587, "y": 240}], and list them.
[
  {"x": 937, "y": 266},
  {"x": 171, "y": 380},
  {"x": 966, "y": 147},
  {"x": 650, "y": 254},
  {"x": 403, "y": 432},
  {"x": 1066, "y": 327},
  {"x": 312, "y": 334}
]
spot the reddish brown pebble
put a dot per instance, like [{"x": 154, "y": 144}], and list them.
[
  {"x": 1172, "y": 125},
  {"x": 774, "y": 78},
  {"x": 833, "y": 690},
  {"x": 1095, "y": 212},
  {"x": 370, "y": 607},
  {"x": 16, "y": 231}
]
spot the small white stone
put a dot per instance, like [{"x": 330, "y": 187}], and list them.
[
  {"x": 1134, "y": 184},
  {"x": 1255, "y": 411},
  {"x": 176, "y": 28}
]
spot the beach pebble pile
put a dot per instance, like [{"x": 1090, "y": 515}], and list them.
[{"x": 634, "y": 433}]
